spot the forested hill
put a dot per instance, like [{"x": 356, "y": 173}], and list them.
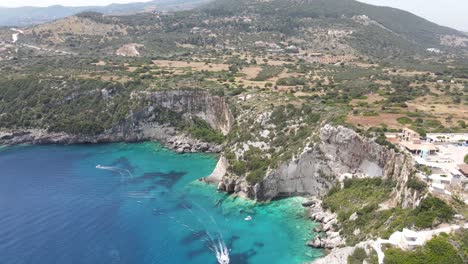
[
  {"x": 22, "y": 16},
  {"x": 343, "y": 29},
  {"x": 401, "y": 22}
]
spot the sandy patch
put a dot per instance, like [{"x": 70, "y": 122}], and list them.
[
  {"x": 373, "y": 121},
  {"x": 251, "y": 72},
  {"x": 197, "y": 66},
  {"x": 371, "y": 98},
  {"x": 129, "y": 50}
]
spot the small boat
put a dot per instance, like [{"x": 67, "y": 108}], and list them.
[{"x": 248, "y": 218}]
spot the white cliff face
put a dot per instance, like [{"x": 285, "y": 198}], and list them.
[
  {"x": 212, "y": 109},
  {"x": 340, "y": 151}
]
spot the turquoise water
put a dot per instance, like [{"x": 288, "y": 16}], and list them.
[{"x": 145, "y": 205}]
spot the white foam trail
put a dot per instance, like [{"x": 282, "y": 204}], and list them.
[
  {"x": 116, "y": 169},
  {"x": 217, "y": 244}
]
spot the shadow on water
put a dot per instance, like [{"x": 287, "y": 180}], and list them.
[
  {"x": 123, "y": 163},
  {"x": 158, "y": 179},
  {"x": 193, "y": 253},
  {"x": 193, "y": 237},
  {"x": 231, "y": 240},
  {"x": 243, "y": 258}
]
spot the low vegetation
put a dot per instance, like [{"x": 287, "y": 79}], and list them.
[
  {"x": 200, "y": 129},
  {"x": 441, "y": 249},
  {"x": 360, "y": 255},
  {"x": 363, "y": 198},
  {"x": 267, "y": 72}
]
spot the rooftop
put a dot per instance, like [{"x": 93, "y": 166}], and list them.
[
  {"x": 414, "y": 147},
  {"x": 463, "y": 168}
]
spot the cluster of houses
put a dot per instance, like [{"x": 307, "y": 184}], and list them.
[
  {"x": 275, "y": 48},
  {"x": 443, "y": 154}
]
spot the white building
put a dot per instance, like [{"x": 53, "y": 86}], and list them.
[
  {"x": 439, "y": 183},
  {"x": 447, "y": 137},
  {"x": 407, "y": 239},
  {"x": 433, "y": 50}
]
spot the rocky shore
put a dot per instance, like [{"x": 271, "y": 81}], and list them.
[
  {"x": 165, "y": 135},
  {"x": 328, "y": 234},
  {"x": 184, "y": 144},
  {"x": 144, "y": 125}
]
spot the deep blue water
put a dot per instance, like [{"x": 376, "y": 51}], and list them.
[{"x": 57, "y": 207}]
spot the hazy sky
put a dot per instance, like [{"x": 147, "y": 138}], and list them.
[
  {"x": 16, "y": 3},
  {"x": 452, "y": 13}
]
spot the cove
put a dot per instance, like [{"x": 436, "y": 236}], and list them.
[{"x": 64, "y": 204}]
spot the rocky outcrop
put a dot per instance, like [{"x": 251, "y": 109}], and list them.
[
  {"x": 340, "y": 152},
  {"x": 146, "y": 124},
  {"x": 218, "y": 173},
  {"x": 213, "y": 109},
  {"x": 328, "y": 236}
]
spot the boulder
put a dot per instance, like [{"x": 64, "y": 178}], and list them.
[
  {"x": 319, "y": 216},
  {"x": 353, "y": 217},
  {"x": 332, "y": 235},
  {"x": 328, "y": 218},
  {"x": 316, "y": 242},
  {"x": 221, "y": 186},
  {"x": 333, "y": 242},
  {"x": 308, "y": 203},
  {"x": 329, "y": 226}
]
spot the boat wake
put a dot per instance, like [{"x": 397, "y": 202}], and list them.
[
  {"x": 214, "y": 240},
  {"x": 123, "y": 172}
]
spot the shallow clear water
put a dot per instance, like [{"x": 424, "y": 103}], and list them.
[{"x": 57, "y": 207}]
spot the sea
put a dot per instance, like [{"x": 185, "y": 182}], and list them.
[{"x": 137, "y": 204}]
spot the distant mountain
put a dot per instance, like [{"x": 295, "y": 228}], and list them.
[
  {"x": 339, "y": 28},
  {"x": 403, "y": 23},
  {"x": 26, "y": 16}
]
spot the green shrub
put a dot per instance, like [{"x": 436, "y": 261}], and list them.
[
  {"x": 416, "y": 184},
  {"x": 291, "y": 81},
  {"x": 436, "y": 251},
  {"x": 431, "y": 209},
  {"x": 404, "y": 120},
  {"x": 255, "y": 176},
  {"x": 239, "y": 167},
  {"x": 267, "y": 72},
  {"x": 200, "y": 129},
  {"x": 358, "y": 256}
]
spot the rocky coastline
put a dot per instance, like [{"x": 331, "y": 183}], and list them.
[
  {"x": 144, "y": 125},
  {"x": 340, "y": 153},
  {"x": 328, "y": 235},
  {"x": 182, "y": 143}
]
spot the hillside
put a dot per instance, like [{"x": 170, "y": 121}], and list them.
[
  {"x": 24, "y": 16},
  {"x": 343, "y": 30},
  {"x": 398, "y": 21},
  {"x": 395, "y": 27}
]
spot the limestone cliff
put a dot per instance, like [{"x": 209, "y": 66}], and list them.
[
  {"x": 212, "y": 109},
  {"x": 340, "y": 153},
  {"x": 146, "y": 124}
]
